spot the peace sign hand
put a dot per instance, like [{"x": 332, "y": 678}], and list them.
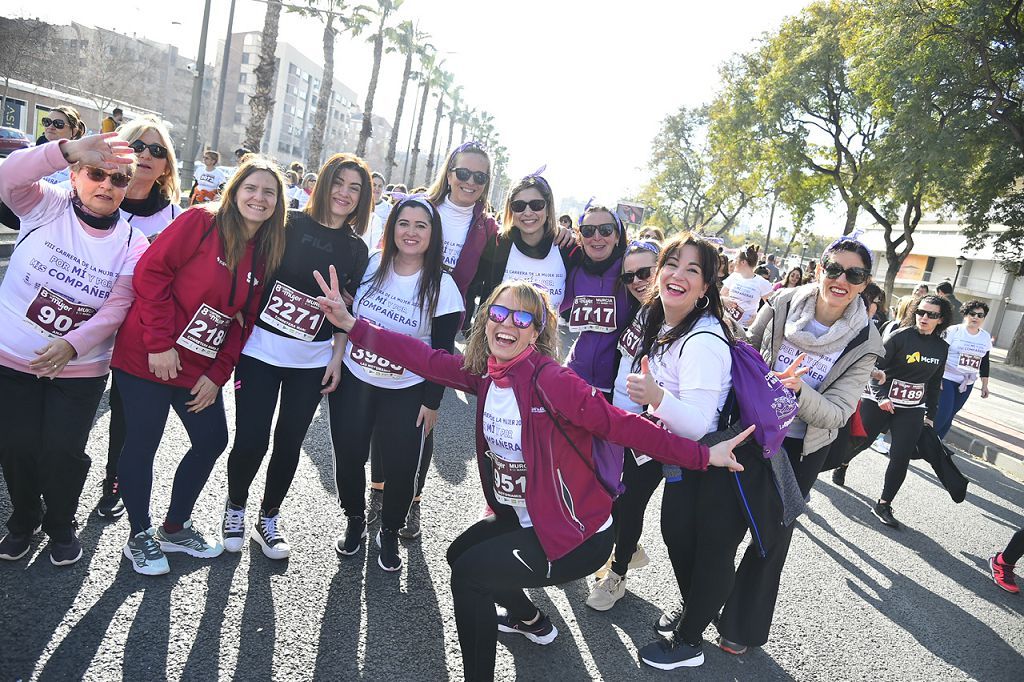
[
  {"x": 791, "y": 377},
  {"x": 721, "y": 454},
  {"x": 331, "y": 302},
  {"x": 104, "y": 151}
]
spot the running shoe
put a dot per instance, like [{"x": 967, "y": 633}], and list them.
[
  {"x": 667, "y": 621},
  {"x": 232, "y": 526},
  {"x": 349, "y": 543},
  {"x": 270, "y": 535},
  {"x": 66, "y": 553},
  {"x": 15, "y": 545},
  {"x": 110, "y": 505},
  {"x": 839, "y": 476},
  {"x": 189, "y": 541},
  {"x": 881, "y": 445},
  {"x": 389, "y": 558},
  {"x": 539, "y": 632},
  {"x": 144, "y": 551},
  {"x": 607, "y": 591},
  {"x": 374, "y": 507},
  {"x": 639, "y": 558},
  {"x": 1002, "y": 574},
  {"x": 883, "y": 510},
  {"x": 669, "y": 654},
  {"x": 730, "y": 647},
  {"x": 411, "y": 529}
]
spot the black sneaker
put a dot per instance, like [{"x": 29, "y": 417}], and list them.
[
  {"x": 667, "y": 622},
  {"x": 270, "y": 535},
  {"x": 374, "y": 507},
  {"x": 350, "y": 543},
  {"x": 15, "y": 545},
  {"x": 66, "y": 553},
  {"x": 839, "y": 476},
  {"x": 388, "y": 559},
  {"x": 110, "y": 505},
  {"x": 669, "y": 654},
  {"x": 540, "y": 632},
  {"x": 883, "y": 510},
  {"x": 411, "y": 529}
]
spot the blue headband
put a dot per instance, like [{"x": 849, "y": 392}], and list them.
[
  {"x": 420, "y": 199},
  {"x": 854, "y": 238}
]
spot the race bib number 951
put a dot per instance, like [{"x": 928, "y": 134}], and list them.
[
  {"x": 592, "y": 314},
  {"x": 292, "y": 312},
  {"x": 509, "y": 481},
  {"x": 205, "y": 332},
  {"x": 54, "y": 315}
]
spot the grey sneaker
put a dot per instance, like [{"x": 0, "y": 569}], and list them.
[
  {"x": 376, "y": 504},
  {"x": 188, "y": 540},
  {"x": 607, "y": 591},
  {"x": 145, "y": 554},
  {"x": 232, "y": 527},
  {"x": 411, "y": 529},
  {"x": 270, "y": 536}
]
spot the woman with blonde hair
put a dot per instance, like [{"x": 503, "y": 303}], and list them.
[{"x": 197, "y": 294}]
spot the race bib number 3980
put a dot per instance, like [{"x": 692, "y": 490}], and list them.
[
  {"x": 55, "y": 315},
  {"x": 292, "y": 312},
  {"x": 592, "y": 314},
  {"x": 205, "y": 332}
]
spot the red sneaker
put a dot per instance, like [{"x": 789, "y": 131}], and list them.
[{"x": 1002, "y": 574}]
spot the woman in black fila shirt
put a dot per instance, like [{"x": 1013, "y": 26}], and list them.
[
  {"x": 290, "y": 351},
  {"x": 904, "y": 392}
]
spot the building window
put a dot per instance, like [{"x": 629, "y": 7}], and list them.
[
  {"x": 292, "y": 69},
  {"x": 245, "y": 57}
]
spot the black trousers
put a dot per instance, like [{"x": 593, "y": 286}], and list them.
[
  {"x": 641, "y": 480},
  {"x": 361, "y": 414},
  {"x": 1015, "y": 548},
  {"x": 45, "y": 425},
  {"x": 492, "y": 561},
  {"x": 904, "y": 427},
  {"x": 377, "y": 463},
  {"x": 257, "y": 386},
  {"x": 116, "y": 430}
]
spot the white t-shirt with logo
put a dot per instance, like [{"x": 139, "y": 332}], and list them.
[
  {"x": 747, "y": 293},
  {"x": 503, "y": 431},
  {"x": 547, "y": 273},
  {"x": 818, "y": 368},
  {"x": 455, "y": 222},
  {"x": 210, "y": 180},
  {"x": 966, "y": 350},
  {"x": 394, "y": 306},
  {"x": 374, "y": 232}
]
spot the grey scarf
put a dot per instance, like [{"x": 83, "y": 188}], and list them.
[{"x": 801, "y": 312}]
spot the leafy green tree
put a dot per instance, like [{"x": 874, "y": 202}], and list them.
[{"x": 405, "y": 39}]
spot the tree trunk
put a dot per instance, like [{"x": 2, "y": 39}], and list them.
[
  {"x": 1015, "y": 354},
  {"x": 378, "y": 53},
  {"x": 316, "y": 141},
  {"x": 411, "y": 180},
  {"x": 433, "y": 140},
  {"x": 389, "y": 163},
  {"x": 462, "y": 140},
  {"x": 451, "y": 133},
  {"x": 262, "y": 100},
  {"x": 851, "y": 217}
]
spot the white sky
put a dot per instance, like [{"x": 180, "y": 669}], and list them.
[{"x": 581, "y": 86}]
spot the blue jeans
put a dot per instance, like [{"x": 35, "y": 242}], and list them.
[{"x": 950, "y": 402}]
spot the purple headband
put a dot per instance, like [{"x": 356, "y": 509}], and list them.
[
  {"x": 536, "y": 175},
  {"x": 420, "y": 199},
  {"x": 645, "y": 244},
  {"x": 853, "y": 237},
  {"x": 615, "y": 216},
  {"x": 466, "y": 146},
  {"x": 718, "y": 241}
]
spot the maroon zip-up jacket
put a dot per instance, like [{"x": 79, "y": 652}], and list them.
[
  {"x": 566, "y": 501},
  {"x": 482, "y": 228}
]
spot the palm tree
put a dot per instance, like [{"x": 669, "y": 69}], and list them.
[
  {"x": 384, "y": 9},
  {"x": 261, "y": 101},
  {"x": 428, "y": 62},
  {"x": 443, "y": 80},
  {"x": 405, "y": 39},
  {"x": 467, "y": 120},
  {"x": 453, "y": 117}
]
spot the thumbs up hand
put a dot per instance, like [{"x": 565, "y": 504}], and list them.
[{"x": 642, "y": 388}]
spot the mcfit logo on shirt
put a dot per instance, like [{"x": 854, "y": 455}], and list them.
[{"x": 916, "y": 357}]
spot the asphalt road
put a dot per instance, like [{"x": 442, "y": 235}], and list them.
[{"x": 859, "y": 601}]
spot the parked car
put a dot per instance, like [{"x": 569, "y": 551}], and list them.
[{"x": 12, "y": 139}]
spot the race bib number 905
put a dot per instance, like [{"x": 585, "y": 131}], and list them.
[
  {"x": 54, "y": 315},
  {"x": 292, "y": 312},
  {"x": 375, "y": 365},
  {"x": 905, "y": 393},
  {"x": 592, "y": 314},
  {"x": 205, "y": 332}
]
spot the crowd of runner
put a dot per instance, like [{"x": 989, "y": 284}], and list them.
[{"x": 292, "y": 286}]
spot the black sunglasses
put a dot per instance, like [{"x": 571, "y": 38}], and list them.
[
  {"x": 518, "y": 206},
  {"x": 640, "y": 273},
  {"x": 930, "y": 314},
  {"x": 55, "y": 122},
  {"x": 464, "y": 174},
  {"x": 977, "y": 313},
  {"x": 520, "y": 318},
  {"x": 853, "y": 275},
  {"x": 157, "y": 150},
  {"x": 117, "y": 179},
  {"x": 606, "y": 230}
]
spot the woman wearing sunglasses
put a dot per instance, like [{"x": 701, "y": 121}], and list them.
[
  {"x": 290, "y": 353},
  {"x": 792, "y": 279},
  {"x": 150, "y": 204},
  {"x": 744, "y": 289},
  {"x": 596, "y": 303},
  {"x": 405, "y": 289},
  {"x": 536, "y": 423},
  {"x": 640, "y": 474},
  {"x": 967, "y": 361},
  {"x": 825, "y": 326},
  {"x": 67, "y": 290},
  {"x": 197, "y": 294}
]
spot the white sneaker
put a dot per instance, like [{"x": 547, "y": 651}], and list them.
[
  {"x": 270, "y": 536},
  {"x": 880, "y": 445},
  {"x": 639, "y": 558},
  {"x": 145, "y": 554},
  {"x": 607, "y": 591},
  {"x": 232, "y": 527}
]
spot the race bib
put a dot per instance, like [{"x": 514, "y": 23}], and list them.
[
  {"x": 969, "y": 363},
  {"x": 735, "y": 313},
  {"x": 292, "y": 312},
  {"x": 592, "y": 314},
  {"x": 206, "y": 332},
  {"x": 905, "y": 393},
  {"x": 54, "y": 315},
  {"x": 509, "y": 480},
  {"x": 629, "y": 342},
  {"x": 375, "y": 365}
]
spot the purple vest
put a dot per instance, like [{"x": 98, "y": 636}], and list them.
[{"x": 592, "y": 357}]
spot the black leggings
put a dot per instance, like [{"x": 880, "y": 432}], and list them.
[
  {"x": 1015, "y": 549},
  {"x": 257, "y": 385},
  {"x": 116, "y": 430},
  {"x": 377, "y": 464},
  {"x": 641, "y": 480},
  {"x": 492, "y": 561},
  {"x": 362, "y": 414},
  {"x": 45, "y": 426},
  {"x": 904, "y": 429},
  {"x": 146, "y": 406}
]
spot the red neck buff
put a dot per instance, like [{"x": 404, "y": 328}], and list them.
[{"x": 498, "y": 371}]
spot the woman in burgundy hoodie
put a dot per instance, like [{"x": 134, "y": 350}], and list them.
[
  {"x": 552, "y": 515},
  {"x": 197, "y": 292}
]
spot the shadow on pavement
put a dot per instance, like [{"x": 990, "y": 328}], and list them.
[{"x": 258, "y": 636}]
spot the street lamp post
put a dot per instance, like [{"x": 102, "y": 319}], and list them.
[
  {"x": 223, "y": 79},
  {"x": 188, "y": 163},
  {"x": 803, "y": 250},
  {"x": 960, "y": 263}
]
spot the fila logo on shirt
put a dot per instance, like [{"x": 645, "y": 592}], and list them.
[
  {"x": 310, "y": 240},
  {"x": 916, "y": 357}
]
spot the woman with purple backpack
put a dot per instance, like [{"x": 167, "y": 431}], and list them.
[{"x": 537, "y": 427}]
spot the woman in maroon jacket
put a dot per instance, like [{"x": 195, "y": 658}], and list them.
[
  {"x": 552, "y": 514},
  {"x": 197, "y": 291}
]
